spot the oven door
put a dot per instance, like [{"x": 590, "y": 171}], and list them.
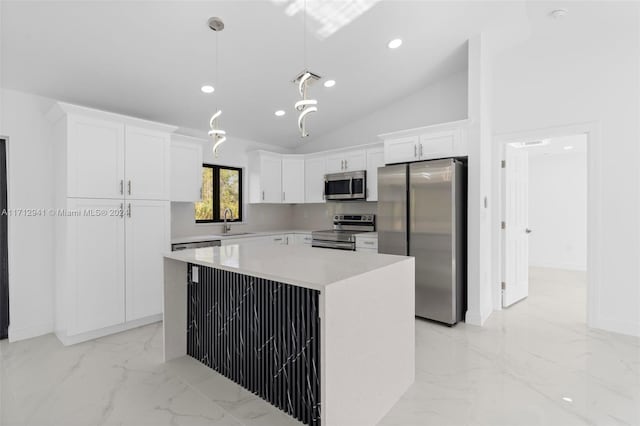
[{"x": 345, "y": 186}]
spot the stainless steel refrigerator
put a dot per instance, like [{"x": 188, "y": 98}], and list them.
[{"x": 422, "y": 213}]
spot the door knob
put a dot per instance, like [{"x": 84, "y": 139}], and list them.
[{"x": 528, "y": 231}]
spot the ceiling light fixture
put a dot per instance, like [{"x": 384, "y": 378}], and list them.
[
  {"x": 329, "y": 83},
  {"x": 304, "y": 79},
  {"x": 280, "y": 113},
  {"x": 207, "y": 89},
  {"x": 567, "y": 399},
  {"x": 395, "y": 43},
  {"x": 217, "y": 135}
]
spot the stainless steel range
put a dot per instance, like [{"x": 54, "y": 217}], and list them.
[{"x": 345, "y": 228}]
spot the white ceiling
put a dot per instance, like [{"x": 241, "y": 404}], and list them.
[{"x": 149, "y": 58}]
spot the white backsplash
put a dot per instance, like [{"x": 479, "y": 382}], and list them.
[{"x": 319, "y": 216}]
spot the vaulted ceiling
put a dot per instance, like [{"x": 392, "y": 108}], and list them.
[{"x": 150, "y": 58}]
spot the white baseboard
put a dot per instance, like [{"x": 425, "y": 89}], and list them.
[
  {"x": 90, "y": 335},
  {"x": 629, "y": 328},
  {"x": 31, "y": 331},
  {"x": 477, "y": 317}
]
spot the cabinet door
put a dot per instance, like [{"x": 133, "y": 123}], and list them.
[
  {"x": 335, "y": 163},
  {"x": 302, "y": 239},
  {"x": 147, "y": 164},
  {"x": 314, "y": 171},
  {"x": 375, "y": 159},
  {"x": 186, "y": 171},
  {"x": 147, "y": 239},
  {"x": 293, "y": 180},
  {"x": 95, "y": 264},
  {"x": 355, "y": 160},
  {"x": 271, "y": 178},
  {"x": 437, "y": 145},
  {"x": 95, "y": 158},
  {"x": 401, "y": 150}
]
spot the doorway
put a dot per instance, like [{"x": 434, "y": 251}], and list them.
[
  {"x": 544, "y": 224},
  {"x": 4, "y": 247}
]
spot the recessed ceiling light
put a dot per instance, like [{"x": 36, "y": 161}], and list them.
[
  {"x": 559, "y": 13},
  {"x": 207, "y": 89},
  {"x": 280, "y": 113},
  {"x": 568, "y": 147},
  {"x": 395, "y": 43},
  {"x": 567, "y": 399},
  {"x": 329, "y": 83}
]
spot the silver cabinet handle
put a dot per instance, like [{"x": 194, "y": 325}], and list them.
[
  {"x": 129, "y": 187},
  {"x": 369, "y": 243},
  {"x": 341, "y": 164},
  {"x": 346, "y": 164},
  {"x": 415, "y": 151},
  {"x": 420, "y": 150},
  {"x": 121, "y": 186},
  {"x": 262, "y": 195},
  {"x": 129, "y": 210},
  {"x": 122, "y": 210},
  {"x": 277, "y": 239}
]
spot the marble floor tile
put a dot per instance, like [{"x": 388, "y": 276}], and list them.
[{"x": 514, "y": 371}]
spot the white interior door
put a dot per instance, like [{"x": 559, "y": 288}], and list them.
[
  {"x": 147, "y": 239},
  {"x": 516, "y": 232}
]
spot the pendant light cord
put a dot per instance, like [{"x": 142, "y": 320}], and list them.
[{"x": 304, "y": 34}]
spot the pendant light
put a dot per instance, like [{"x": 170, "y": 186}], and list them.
[
  {"x": 306, "y": 106},
  {"x": 216, "y": 133}
]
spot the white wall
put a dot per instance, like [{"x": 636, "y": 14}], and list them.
[
  {"x": 30, "y": 170},
  {"x": 257, "y": 217},
  {"x": 586, "y": 69},
  {"x": 558, "y": 210},
  {"x": 442, "y": 101}
]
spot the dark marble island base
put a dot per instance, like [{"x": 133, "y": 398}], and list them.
[{"x": 262, "y": 334}]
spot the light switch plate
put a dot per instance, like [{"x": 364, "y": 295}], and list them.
[{"x": 194, "y": 274}]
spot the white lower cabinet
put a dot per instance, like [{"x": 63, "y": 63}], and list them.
[
  {"x": 366, "y": 244},
  {"x": 147, "y": 225},
  {"x": 92, "y": 294},
  {"x": 302, "y": 239},
  {"x": 109, "y": 255}
]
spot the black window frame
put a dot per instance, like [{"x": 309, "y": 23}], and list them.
[{"x": 215, "y": 173}]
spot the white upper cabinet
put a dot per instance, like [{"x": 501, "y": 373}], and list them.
[
  {"x": 401, "y": 150},
  {"x": 147, "y": 169},
  {"x": 314, "y": 171},
  {"x": 147, "y": 224},
  {"x": 186, "y": 171},
  {"x": 375, "y": 159},
  {"x": 347, "y": 161},
  {"x": 265, "y": 177},
  {"x": 111, "y": 156},
  {"x": 293, "y": 179},
  {"x": 427, "y": 143},
  {"x": 95, "y": 158}
]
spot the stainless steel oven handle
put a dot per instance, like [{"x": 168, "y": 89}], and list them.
[{"x": 333, "y": 245}]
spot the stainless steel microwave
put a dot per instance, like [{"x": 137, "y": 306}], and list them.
[{"x": 346, "y": 186}]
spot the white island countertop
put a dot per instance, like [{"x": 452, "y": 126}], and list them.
[{"x": 309, "y": 267}]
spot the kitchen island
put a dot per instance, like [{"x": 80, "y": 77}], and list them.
[{"x": 325, "y": 335}]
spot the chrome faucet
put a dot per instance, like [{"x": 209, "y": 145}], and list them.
[{"x": 226, "y": 228}]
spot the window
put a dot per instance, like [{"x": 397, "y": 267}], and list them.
[{"x": 221, "y": 189}]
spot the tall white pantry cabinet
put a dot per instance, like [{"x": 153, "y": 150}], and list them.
[{"x": 112, "y": 180}]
